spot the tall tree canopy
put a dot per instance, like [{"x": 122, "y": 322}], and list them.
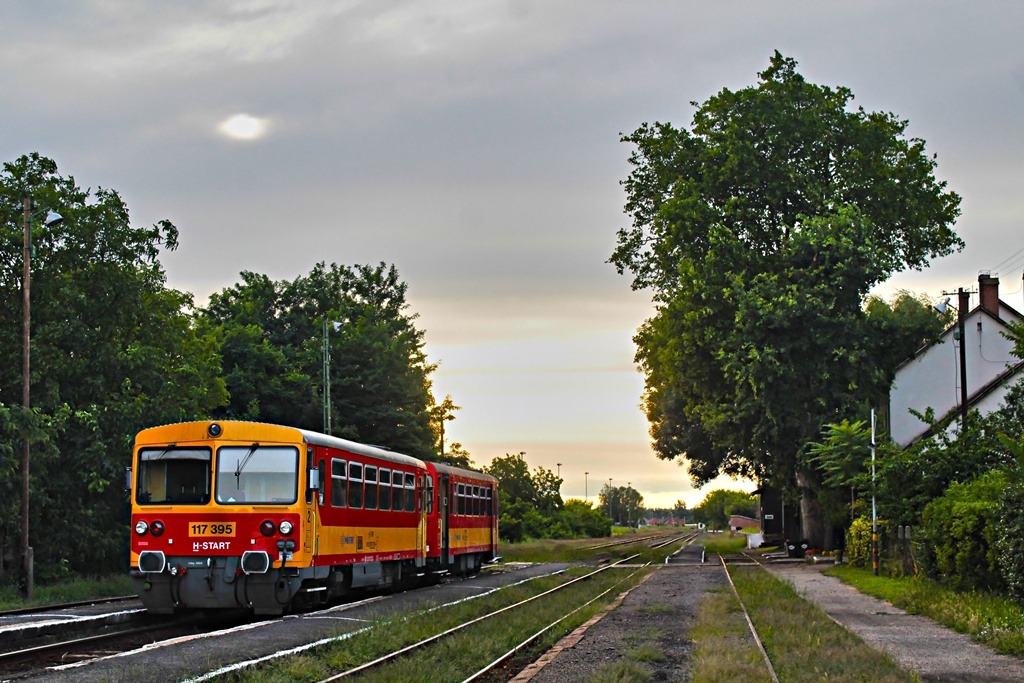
[
  {"x": 760, "y": 231},
  {"x": 271, "y": 336},
  {"x": 113, "y": 351}
]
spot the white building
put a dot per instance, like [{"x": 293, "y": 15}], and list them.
[{"x": 931, "y": 379}]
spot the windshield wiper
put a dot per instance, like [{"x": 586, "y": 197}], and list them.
[
  {"x": 163, "y": 452},
  {"x": 244, "y": 462}
]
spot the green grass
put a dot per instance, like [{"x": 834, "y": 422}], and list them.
[
  {"x": 989, "y": 619},
  {"x": 623, "y": 671},
  {"x": 69, "y": 591},
  {"x": 725, "y": 650},
  {"x": 804, "y": 644},
  {"x": 726, "y": 543}
]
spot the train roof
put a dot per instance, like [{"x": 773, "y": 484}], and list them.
[
  {"x": 239, "y": 430},
  {"x": 470, "y": 474}
]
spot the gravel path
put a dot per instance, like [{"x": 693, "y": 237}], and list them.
[
  {"x": 918, "y": 643},
  {"x": 660, "y": 611}
]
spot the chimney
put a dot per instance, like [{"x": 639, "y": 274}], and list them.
[{"x": 988, "y": 287}]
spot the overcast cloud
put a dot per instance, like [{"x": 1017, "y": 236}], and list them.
[{"x": 475, "y": 145}]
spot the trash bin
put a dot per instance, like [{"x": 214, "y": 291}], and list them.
[{"x": 797, "y": 548}]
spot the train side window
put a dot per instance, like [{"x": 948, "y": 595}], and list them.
[
  {"x": 370, "y": 474},
  {"x": 476, "y": 501},
  {"x": 430, "y": 495},
  {"x": 410, "y": 492},
  {"x": 385, "y": 489},
  {"x": 460, "y": 499},
  {"x": 487, "y": 497},
  {"x": 397, "y": 492},
  {"x": 323, "y": 480},
  {"x": 339, "y": 499},
  {"x": 355, "y": 485}
]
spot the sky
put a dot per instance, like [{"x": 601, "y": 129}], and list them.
[{"x": 476, "y": 146}]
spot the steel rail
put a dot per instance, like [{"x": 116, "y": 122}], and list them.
[
  {"x": 454, "y": 629},
  {"x": 65, "y": 605},
  {"x": 750, "y": 623},
  {"x": 38, "y": 650},
  {"x": 684, "y": 537},
  {"x": 628, "y": 541}
]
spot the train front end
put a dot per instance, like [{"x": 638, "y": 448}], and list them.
[{"x": 222, "y": 517}]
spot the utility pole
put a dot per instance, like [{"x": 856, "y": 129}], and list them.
[
  {"x": 874, "y": 514},
  {"x": 963, "y": 301},
  {"x": 26, "y": 403}
]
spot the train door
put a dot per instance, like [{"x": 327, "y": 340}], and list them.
[
  {"x": 421, "y": 526},
  {"x": 311, "y": 538},
  {"x": 442, "y": 509}
]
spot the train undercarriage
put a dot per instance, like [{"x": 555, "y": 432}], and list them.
[{"x": 198, "y": 583}]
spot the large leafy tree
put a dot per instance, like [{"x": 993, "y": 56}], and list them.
[
  {"x": 113, "y": 351},
  {"x": 271, "y": 336},
  {"x": 760, "y": 231}
]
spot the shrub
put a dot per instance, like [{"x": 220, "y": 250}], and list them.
[
  {"x": 959, "y": 532},
  {"x": 1010, "y": 539},
  {"x": 858, "y": 540}
]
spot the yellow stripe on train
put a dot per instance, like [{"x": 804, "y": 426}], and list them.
[
  {"x": 336, "y": 540},
  {"x": 469, "y": 537}
]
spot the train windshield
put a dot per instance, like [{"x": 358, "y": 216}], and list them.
[
  {"x": 173, "y": 475},
  {"x": 257, "y": 474}
]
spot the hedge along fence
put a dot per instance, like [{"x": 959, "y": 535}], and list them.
[
  {"x": 1010, "y": 539},
  {"x": 959, "y": 532}
]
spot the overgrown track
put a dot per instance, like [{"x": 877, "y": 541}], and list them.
[
  {"x": 685, "y": 538},
  {"x": 435, "y": 638},
  {"x": 628, "y": 541},
  {"x": 746, "y": 615}
]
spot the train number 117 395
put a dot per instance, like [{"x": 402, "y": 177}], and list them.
[{"x": 211, "y": 529}]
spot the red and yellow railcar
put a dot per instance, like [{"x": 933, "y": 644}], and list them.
[{"x": 247, "y": 515}]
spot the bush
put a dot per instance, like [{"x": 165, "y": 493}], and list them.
[
  {"x": 858, "y": 541},
  {"x": 959, "y": 532},
  {"x": 1010, "y": 540}
]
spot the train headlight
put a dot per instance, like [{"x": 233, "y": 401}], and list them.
[
  {"x": 214, "y": 430},
  {"x": 157, "y": 528},
  {"x": 267, "y": 528},
  {"x": 285, "y": 527},
  {"x": 141, "y": 527}
]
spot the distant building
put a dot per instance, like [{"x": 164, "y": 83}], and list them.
[
  {"x": 931, "y": 379},
  {"x": 740, "y": 522}
]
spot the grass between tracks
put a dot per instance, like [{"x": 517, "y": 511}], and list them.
[
  {"x": 803, "y": 643},
  {"x": 990, "y": 619},
  {"x": 457, "y": 656},
  {"x": 580, "y": 550},
  {"x": 69, "y": 591}
]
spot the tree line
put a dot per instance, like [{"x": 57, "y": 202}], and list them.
[{"x": 115, "y": 350}]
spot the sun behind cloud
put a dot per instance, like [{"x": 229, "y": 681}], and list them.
[{"x": 243, "y": 127}]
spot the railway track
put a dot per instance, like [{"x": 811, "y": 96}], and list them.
[
  {"x": 626, "y": 541},
  {"x": 456, "y": 629},
  {"x": 749, "y": 560},
  {"x": 42, "y": 609},
  {"x": 86, "y": 647},
  {"x": 689, "y": 536}
]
